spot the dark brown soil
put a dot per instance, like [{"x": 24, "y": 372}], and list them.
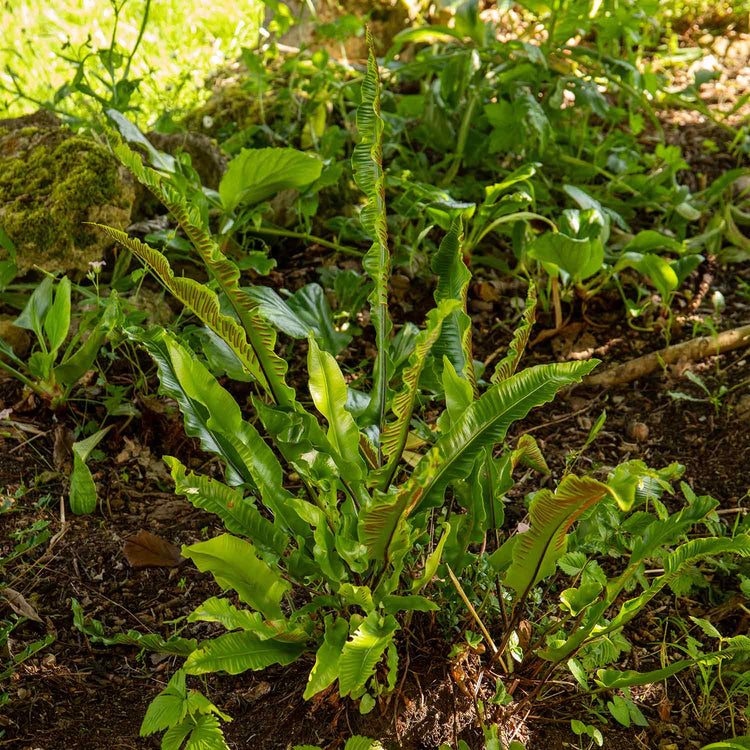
[{"x": 75, "y": 693}]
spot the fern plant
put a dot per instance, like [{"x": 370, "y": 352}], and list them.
[{"x": 326, "y": 517}]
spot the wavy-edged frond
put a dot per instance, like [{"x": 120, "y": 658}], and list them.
[
  {"x": 381, "y": 520},
  {"x": 261, "y": 336},
  {"x": 485, "y": 423},
  {"x": 529, "y": 454},
  {"x": 508, "y": 364},
  {"x": 328, "y": 391},
  {"x": 238, "y": 513},
  {"x": 395, "y": 433},
  {"x": 234, "y": 564},
  {"x": 552, "y": 514},
  {"x": 367, "y": 166},
  {"x": 685, "y": 554},
  {"x": 362, "y": 652},
  {"x": 453, "y": 284},
  {"x": 235, "y": 653},
  {"x": 177, "y": 370},
  {"x": 200, "y": 300}
]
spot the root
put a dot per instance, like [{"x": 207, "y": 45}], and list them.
[{"x": 695, "y": 349}]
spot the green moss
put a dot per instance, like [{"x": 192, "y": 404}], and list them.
[
  {"x": 46, "y": 197},
  {"x": 228, "y": 111}
]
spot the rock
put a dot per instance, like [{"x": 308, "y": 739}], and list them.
[
  {"x": 205, "y": 156},
  {"x": 52, "y": 182},
  {"x": 230, "y": 109},
  {"x": 637, "y": 431},
  {"x": 742, "y": 410},
  {"x": 386, "y": 19},
  {"x": 18, "y": 338}
]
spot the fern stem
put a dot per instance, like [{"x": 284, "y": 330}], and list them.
[{"x": 308, "y": 238}]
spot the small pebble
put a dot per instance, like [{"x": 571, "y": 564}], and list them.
[{"x": 638, "y": 431}]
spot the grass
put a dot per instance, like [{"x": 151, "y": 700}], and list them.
[{"x": 183, "y": 42}]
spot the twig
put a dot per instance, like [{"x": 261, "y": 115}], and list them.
[
  {"x": 471, "y": 609},
  {"x": 694, "y": 349}
]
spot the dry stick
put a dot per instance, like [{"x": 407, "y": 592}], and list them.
[
  {"x": 695, "y": 349},
  {"x": 471, "y": 609}
]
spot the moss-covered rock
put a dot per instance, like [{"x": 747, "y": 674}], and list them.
[
  {"x": 51, "y": 183},
  {"x": 230, "y": 108}
]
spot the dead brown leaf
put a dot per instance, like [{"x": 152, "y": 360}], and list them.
[
  {"x": 19, "y": 605},
  {"x": 664, "y": 708},
  {"x": 62, "y": 454},
  {"x": 145, "y": 550}
]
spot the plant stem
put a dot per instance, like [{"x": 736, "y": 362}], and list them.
[
  {"x": 307, "y": 238},
  {"x": 471, "y": 609}
]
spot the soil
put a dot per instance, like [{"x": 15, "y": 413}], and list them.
[{"x": 75, "y": 693}]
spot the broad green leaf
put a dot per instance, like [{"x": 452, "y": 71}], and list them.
[
  {"x": 654, "y": 267},
  {"x": 326, "y": 668},
  {"x": 367, "y": 166},
  {"x": 206, "y": 734},
  {"x": 551, "y": 514},
  {"x": 200, "y": 417},
  {"x": 508, "y": 364},
  {"x": 258, "y": 173},
  {"x": 432, "y": 563},
  {"x": 328, "y": 391},
  {"x": 579, "y": 258},
  {"x": 304, "y": 311},
  {"x": 82, "y": 487},
  {"x": 168, "y": 708},
  {"x": 486, "y": 423},
  {"x": 237, "y": 652},
  {"x": 57, "y": 320},
  {"x": 238, "y": 513},
  {"x": 359, "y": 596},
  {"x": 224, "y": 612},
  {"x": 94, "y": 630},
  {"x": 362, "y": 652},
  {"x": 453, "y": 284},
  {"x": 380, "y": 520},
  {"x": 649, "y": 241},
  {"x": 174, "y": 737},
  {"x": 73, "y": 368},
  {"x": 234, "y": 564},
  {"x": 395, "y": 433},
  {"x": 576, "y": 600},
  {"x": 32, "y": 316}
]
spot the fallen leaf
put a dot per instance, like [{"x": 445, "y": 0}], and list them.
[
  {"x": 19, "y": 605},
  {"x": 62, "y": 453},
  {"x": 255, "y": 692},
  {"x": 664, "y": 708},
  {"x": 488, "y": 292},
  {"x": 146, "y": 549}
]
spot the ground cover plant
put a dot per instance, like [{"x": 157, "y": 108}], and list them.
[{"x": 386, "y": 510}]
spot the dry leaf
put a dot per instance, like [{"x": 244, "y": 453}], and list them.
[
  {"x": 19, "y": 605},
  {"x": 488, "y": 292},
  {"x": 62, "y": 453},
  {"x": 664, "y": 708},
  {"x": 145, "y": 549},
  {"x": 524, "y": 635}
]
